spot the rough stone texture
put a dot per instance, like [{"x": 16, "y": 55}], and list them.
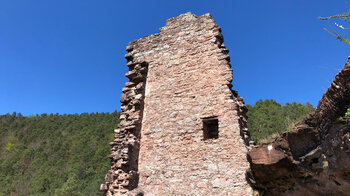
[
  {"x": 314, "y": 157},
  {"x": 188, "y": 80},
  {"x": 123, "y": 175}
]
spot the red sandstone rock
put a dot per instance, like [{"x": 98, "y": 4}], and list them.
[{"x": 313, "y": 158}]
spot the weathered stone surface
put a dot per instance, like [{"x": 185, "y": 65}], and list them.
[
  {"x": 125, "y": 148},
  {"x": 314, "y": 157},
  {"x": 178, "y": 78}
]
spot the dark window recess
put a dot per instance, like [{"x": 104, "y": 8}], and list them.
[{"x": 210, "y": 128}]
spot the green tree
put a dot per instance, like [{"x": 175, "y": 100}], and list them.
[
  {"x": 268, "y": 119},
  {"x": 55, "y": 154}
]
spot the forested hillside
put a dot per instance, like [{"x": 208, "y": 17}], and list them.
[
  {"x": 267, "y": 119},
  {"x": 55, "y": 154},
  {"x": 67, "y": 154}
]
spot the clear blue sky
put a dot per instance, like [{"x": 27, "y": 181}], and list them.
[{"x": 67, "y": 56}]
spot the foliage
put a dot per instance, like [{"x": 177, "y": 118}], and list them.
[
  {"x": 347, "y": 114},
  {"x": 344, "y": 16},
  {"x": 55, "y": 154},
  {"x": 9, "y": 146},
  {"x": 267, "y": 119},
  {"x": 346, "y": 117},
  {"x": 66, "y": 155}
]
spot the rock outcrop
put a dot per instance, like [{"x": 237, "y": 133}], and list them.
[{"x": 314, "y": 157}]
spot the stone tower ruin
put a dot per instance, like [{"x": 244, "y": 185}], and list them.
[{"x": 182, "y": 130}]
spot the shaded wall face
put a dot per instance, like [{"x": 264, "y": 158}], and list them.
[{"x": 189, "y": 78}]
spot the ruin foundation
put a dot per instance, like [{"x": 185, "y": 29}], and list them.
[{"x": 182, "y": 130}]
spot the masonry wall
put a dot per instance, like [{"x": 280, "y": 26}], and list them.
[{"x": 188, "y": 80}]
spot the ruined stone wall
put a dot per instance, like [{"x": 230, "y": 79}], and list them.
[
  {"x": 188, "y": 80},
  {"x": 123, "y": 175}
]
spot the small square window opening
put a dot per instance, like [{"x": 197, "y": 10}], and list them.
[{"x": 210, "y": 128}]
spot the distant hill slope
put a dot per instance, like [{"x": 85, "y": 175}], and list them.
[
  {"x": 267, "y": 119},
  {"x": 55, "y": 154},
  {"x": 66, "y": 155}
]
